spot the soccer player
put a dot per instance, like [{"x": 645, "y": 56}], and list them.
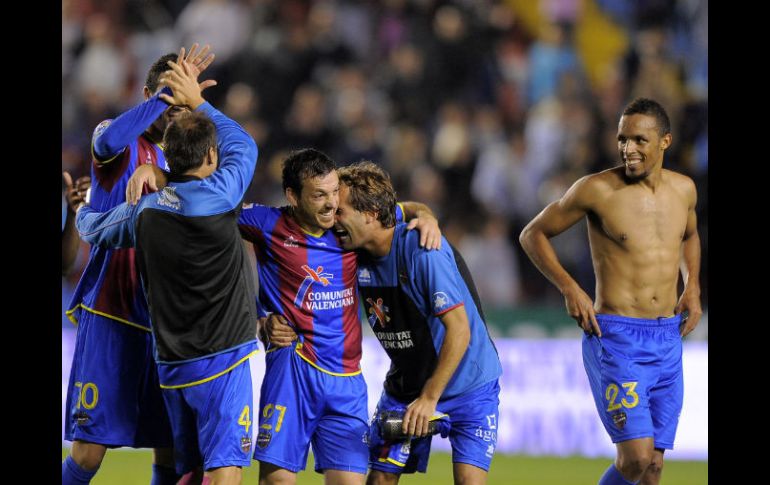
[
  {"x": 421, "y": 307},
  {"x": 197, "y": 279},
  {"x": 312, "y": 392},
  {"x": 113, "y": 397},
  {"x": 643, "y": 230}
]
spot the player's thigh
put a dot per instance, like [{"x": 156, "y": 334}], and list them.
[
  {"x": 290, "y": 406},
  {"x": 339, "y": 441}
]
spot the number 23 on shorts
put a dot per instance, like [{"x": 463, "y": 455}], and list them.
[{"x": 612, "y": 391}]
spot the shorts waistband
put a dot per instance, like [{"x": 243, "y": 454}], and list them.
[{"x": 675, "y": 320}]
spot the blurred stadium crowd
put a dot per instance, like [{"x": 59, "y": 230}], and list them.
[{"x": 484, "y": 110}]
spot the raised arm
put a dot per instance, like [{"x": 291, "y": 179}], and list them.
[
  {"x": 424, "y": 220},
  {"x": 111, "y": 137},
  {"x": 556, "y": 218},
  {"x": 690, "y": 267},
  {"x": 237, "y": 150}
]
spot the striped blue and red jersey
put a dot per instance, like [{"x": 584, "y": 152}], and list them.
[
  {"x": 310, "y": 280},
  {"x": 110, "y": 285}
]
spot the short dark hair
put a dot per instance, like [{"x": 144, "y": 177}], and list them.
[
  {"x": 304, "y": 164},
  {"x": 187, "y": 141},
  {"x": 649, "y": 107},
  {"x": 159, "y": 67},
  {"x": 370, "y": 190}
]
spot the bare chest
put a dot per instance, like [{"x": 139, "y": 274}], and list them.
[{"x": 640, "y": 219}]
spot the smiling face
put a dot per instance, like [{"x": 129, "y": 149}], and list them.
[
  {"x": 641, "y": 145},
  {"x": 315, "y": 205},
  {"x": 352, "y": 226}
]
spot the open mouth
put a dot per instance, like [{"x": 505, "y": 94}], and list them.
[{"x": 341, "y": 233}]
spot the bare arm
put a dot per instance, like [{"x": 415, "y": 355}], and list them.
[
  {"x": 70, "y": 240},
  {"x": 552, "y": 221},
  {"x": 690, "y": 268},
  {"x": 458, "y": 335},
  {"x": 151, "y": 175},
  {"x": 421, "y": 217}
]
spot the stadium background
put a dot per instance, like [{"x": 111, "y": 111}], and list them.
[{"x": 485, "y": 110}]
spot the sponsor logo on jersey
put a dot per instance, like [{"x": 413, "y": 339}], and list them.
[
  {"x": 378, "y": 312},
  {"x": 310, "y": 294}
]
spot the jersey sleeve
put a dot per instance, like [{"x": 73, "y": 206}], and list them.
[
  {"x": 111, "y": 137},
  {"x": 237, "y": 157},
  {"x": 252, "y": 221},
  {"x": 434, "y": 274},
  {"x": 111, "y": 229},
  {"x": 400, "y": 217}
]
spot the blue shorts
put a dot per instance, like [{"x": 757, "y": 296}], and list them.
[
  {"x": 473, "y": 434},
  {"x": 114, "y": 398},
  {"x": 300, "y": 405},
  {"x": 212, "y": 421},
  {"x": 635, "y": 372}
]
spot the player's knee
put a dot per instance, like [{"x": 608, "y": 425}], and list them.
[
  {"x": 88, "y": 456},
  {"x": 634, "y": 466},
  {"x": 270, "y": 474},
  {"x": 226, "y": 475},
  {"x": 655, "y": 469},
  {"x": 377, "y": 477}
]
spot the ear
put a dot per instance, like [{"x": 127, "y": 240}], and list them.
[
  {"x": 147, "y": 93},
  {"x": 370, "y": 217},
  {"x": 665, "y": 142},
  {"x": 212, "y": 156},
  {"x": 291, "y": 196}
]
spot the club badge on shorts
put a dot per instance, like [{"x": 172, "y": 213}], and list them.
[{"x": 619, "y": 419}]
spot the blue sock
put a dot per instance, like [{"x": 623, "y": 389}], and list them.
[
  {"x": 163, "y": 475},
  {"x": 613, "y": 477},
  {"x": 73, "y": 474}
]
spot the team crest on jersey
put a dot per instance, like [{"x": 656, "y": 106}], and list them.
[
  {"x": 313, "y": 276},
  {"x": 290, "y": 242},
  {"x": 364, "y": 276},
  {"x": 378, "y": 312},
  {"x": 169, "y": 198},
  {"x": 440, "y": 300},
  {"x": 100, "y": 128},
  {"x": 619, "y": 419},
  {"x": 245, "y": 444}
]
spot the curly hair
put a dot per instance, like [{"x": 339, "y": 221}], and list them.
[{"x": 370, "y": 190}]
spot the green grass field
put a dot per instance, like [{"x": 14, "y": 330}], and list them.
[{"x": 128, "y": 467}]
